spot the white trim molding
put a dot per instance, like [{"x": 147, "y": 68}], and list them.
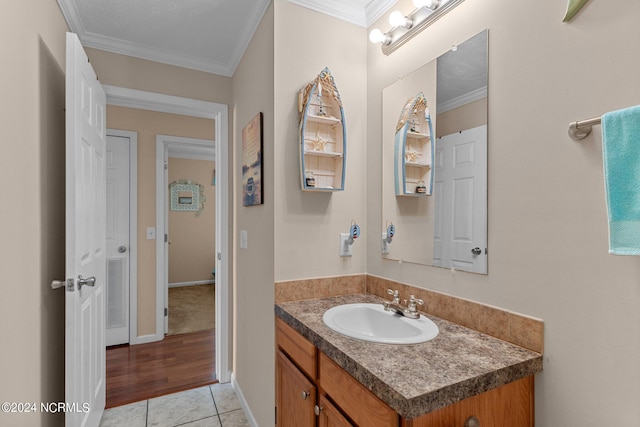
[
  {"x": 350, "y": 11},
  {"x": 461, "y": 100},
  {"x": 243, "y": 402},
  {"x": 196, "y": 283}
]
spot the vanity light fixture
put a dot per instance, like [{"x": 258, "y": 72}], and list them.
[
  {"x": 404, "y": 28},
  {"x": 397, "y": 19},
  {"x": 377, "y": 36}
]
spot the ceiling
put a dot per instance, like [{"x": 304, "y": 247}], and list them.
[{"x": 205, "y": 35}]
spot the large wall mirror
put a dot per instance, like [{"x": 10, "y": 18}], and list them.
[{"x": 447, "y": 228}]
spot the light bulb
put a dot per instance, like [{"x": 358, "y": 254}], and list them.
[
  {"x": 397, "y": 19},
  {"x": 377, "y": 36},
  {"x": 429, "y": 4}
]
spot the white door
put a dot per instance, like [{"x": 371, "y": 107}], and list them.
[
  {"x": 118, "y": 247},
  {"x": 85, "y": 239},
  {"x": 460, "y": 234}
]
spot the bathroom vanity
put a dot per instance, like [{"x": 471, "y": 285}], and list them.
[{"x": 461, "y": 378}]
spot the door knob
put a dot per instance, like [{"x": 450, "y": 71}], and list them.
[
  {"x": 56, "y": 284},
  {"x": 476, "y": 251},
  {"x": 122, "y": 249},
  {"x": 89, "y": 281}
]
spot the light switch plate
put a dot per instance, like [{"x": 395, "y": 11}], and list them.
[
  {"x": 243, "y": 239},
  {"x": 151, "y": 233}
]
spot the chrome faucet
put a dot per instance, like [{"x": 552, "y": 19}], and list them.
[{"x": 409, "y": 311}]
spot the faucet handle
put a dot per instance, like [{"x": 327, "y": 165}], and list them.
[
  {"x": 413, "y": 301},
  {"x": 396, "y": 295}
]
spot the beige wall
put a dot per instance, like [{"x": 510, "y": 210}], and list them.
[
  {"x": 467, "y": 116},
  {"x": 547, "y": 218},
  {"x": 141, "y": 74},
  {"x": 32, "y": 214},
  {"x": 253, "y": 92},
  {"x": 192, "y": 247},
  {"x": 308, "y": 225},
  {"x": 148, "y": 124}
]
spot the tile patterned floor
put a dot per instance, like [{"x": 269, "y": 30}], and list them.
[{"x": 211, "y": 406}]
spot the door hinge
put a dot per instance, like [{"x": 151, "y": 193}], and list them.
[
  {"x": 166, "y": 237},
  {"x": 219, "y": 256},
  {"x": 166, "y": 165},
  {"x": 166, "y": 312}
]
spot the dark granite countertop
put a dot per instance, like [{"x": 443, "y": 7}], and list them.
[{"x": 419, "y": 378}]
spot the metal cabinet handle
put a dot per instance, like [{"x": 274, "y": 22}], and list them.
[
  {"x": 317, "y": 409},
  {"x": 305, "y": 395},
  {"x": 476, "y": 251},
  {"x": 472, "y": 422},
  {"x": 122, "y": 249},
  {"x": 89, "y": 281}
]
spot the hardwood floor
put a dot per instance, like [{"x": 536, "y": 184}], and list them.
[{"x": 144, "y": 371}]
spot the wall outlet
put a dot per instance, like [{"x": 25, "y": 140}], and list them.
[{"x": 345, "y": 248}]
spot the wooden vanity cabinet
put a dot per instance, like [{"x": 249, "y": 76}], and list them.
[{"x": 312, "y": 390}]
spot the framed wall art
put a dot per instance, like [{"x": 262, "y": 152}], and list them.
[
  {"x": 186, "y": 196},
  {"x": 252, "y": 162}
]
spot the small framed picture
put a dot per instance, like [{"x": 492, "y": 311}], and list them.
[
  {"x": 185, "y": 197},
  {"x": 252, "y": 162}
]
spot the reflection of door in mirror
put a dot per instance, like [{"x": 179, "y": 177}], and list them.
[
  {"x": 457, "y": 211},
  {"x": 460, "y": 238}
]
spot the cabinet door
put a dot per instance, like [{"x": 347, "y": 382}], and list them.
[
  {"x": 330, "y": 416},
  {"x": 354, "y": 399},
  {"x": 295, "y": 395}
]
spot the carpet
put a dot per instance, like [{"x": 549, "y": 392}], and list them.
[{"x": 191, "y": 309}]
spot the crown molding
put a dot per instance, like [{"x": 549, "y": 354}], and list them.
[
  {"x": 349, "y": 11},
  {"x": 461, "y": 100},
  {"x": 123, "y": 47}
]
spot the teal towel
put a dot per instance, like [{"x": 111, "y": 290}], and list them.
[{"x": 621, "y": 153}]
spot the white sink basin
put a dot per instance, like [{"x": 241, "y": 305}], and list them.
[{"x": 370, "y": 322}]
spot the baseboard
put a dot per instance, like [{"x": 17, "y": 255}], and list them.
[
  {"x": 243, "y": 402},
  {"x": 144, "y": 339},
  {"x": 200, "y": 282}
]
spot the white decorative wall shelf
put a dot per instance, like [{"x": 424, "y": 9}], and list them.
[
  {"x": 414, "y": 149},
  {"x": 322, "y": 135}
]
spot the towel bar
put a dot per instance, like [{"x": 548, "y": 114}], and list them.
[{"x": 580, "y": 129}]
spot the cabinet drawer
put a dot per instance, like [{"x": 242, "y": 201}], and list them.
[
  {"x": 301, "y": 351},
  {"x": 353, "y": 398},
  {"x": 510, "y": 405}
]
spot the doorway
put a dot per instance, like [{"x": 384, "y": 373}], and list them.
[
  {"x": 190, "y": 218},
  {"x": 219, "y": 113},
  {"x": 122, "y": 252}
]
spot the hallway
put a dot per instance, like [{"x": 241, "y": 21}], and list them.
[{"x": 145, "y": 371}]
